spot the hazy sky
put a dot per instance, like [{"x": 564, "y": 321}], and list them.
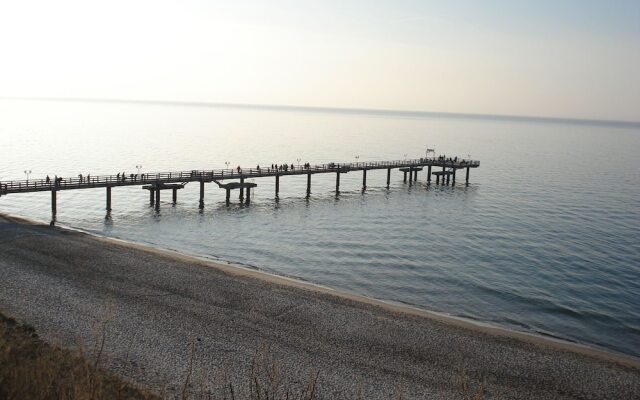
[{"x": 547, "y": 58}]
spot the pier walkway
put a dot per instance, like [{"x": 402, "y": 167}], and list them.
[{"x": 155, "y": 182}]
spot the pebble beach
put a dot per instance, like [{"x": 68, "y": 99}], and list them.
[{"x": 165, "y": 315}]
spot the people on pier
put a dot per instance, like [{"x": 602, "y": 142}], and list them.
[{"x": 48, "y": 180}]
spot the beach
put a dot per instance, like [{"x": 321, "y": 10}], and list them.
[{"x": 166, "y": 316}]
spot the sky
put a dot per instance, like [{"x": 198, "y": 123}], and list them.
[{"x": 564, "y": 58}]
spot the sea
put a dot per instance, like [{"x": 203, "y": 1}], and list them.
[{"x": 545, "y": 239}]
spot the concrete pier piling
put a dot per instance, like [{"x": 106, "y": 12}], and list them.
[
  {"x": 157, "y": 198},
  {"x": 175, "y": 195},
  {"x": 429, "y": 175},
  {"x": 241, "y": 189},
  {"x": 54, "y": 203},
  {"x": 277, "y": 185},
  {"x": 388, "y": 177},
  {"x": 108, "y": 198},
  {"x": 337, "y": 182},
  {"x": 467, "y": 179},
  {"x": 151, "y": 198},
  {"x": 308, "y": 185},
  {"x": 364, "y": 180},
  {"x": 201, "y": 202}
]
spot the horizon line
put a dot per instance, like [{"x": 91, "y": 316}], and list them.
[{"x": 349, "y": 110}]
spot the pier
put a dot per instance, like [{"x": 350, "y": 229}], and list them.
[{"x": 155, "y": 183}]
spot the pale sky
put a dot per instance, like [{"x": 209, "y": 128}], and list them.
[{"x": 542, "y": 58}]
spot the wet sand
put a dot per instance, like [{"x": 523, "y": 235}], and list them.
[{"x": 158, "y": 305}]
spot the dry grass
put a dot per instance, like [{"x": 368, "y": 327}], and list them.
[
  {"x": 32, "y": 369},
  {"x": 265, "y": 381}
]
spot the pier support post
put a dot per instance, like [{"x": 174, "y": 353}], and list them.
[
  {"x": 54, "y": 203},
  {"x": 151, "y": 198},
  {"x": 248, "y": 200},
  {"x": 157, "y": 198},
  {"x": 364, "y": 180},
  {"x": 277, "y": 185},
  {"x": 448, "y": 177},
  {"x": 308, "y": 185},
  {"x": 467, "y": 181},
  {"x": 415, "y": 175},
  {"x": 410, "y": 176},
  {"x": 201, "y": 202},
  {"x": 241, "y": 190},
  {"x": 438, "y": 179},
  {"x": 228, "y": 195},
  {"x": 453, "y": 180},
  {"x": 388, "y": 177},
  {"x": 108, "y": 198},
  {"x": 175, "y": 195},
  {"x": 429, "y": 175},
  {"x": 338, "y": 182},
  {"x": 405, "y": 176}
]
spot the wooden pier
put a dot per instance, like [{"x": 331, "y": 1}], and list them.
[{"x": 156, "y": 182}]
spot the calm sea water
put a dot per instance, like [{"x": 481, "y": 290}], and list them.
[{"x": 545, "y": 239}]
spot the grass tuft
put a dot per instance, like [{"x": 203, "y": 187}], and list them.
[{"x": 32, "y": 369}]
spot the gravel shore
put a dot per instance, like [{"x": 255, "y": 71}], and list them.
[{"x": 169, "y": 317}]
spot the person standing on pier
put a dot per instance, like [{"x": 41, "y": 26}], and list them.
[{"x": 48, "y": 180}]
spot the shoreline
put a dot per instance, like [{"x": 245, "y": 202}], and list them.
[{"x": 239, "y": 270}]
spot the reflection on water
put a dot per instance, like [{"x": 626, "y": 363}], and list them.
[{"x": 544, "y": 239}]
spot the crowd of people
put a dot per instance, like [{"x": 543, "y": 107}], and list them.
[{"x": 278, "y": 167}]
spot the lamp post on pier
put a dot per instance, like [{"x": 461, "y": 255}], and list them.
[
  {"x": 139, "y": 168},
  {"x": 357, "y": 158},
  {"x": 27, "y": 172}
]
